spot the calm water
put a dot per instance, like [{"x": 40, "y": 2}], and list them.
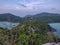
[
  {"x": 8, "y": 25},
  {"x": 57, "y": 27}
]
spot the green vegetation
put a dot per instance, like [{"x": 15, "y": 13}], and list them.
[
  {"x": 2, "y": 34},
  {"x": 31, "y": 32},
  {"x": 10, "y": 17}
]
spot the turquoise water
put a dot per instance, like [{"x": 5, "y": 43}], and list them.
[
  {"x": 57, "y": 27},
  {"x": 8, "y": 25}
]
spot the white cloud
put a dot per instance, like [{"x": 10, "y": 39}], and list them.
[{"x": 34, "y": 6}]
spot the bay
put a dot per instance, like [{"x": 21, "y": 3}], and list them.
[
  {"x": 57, "y": 27},
  {"x": 8, "y": 25}
]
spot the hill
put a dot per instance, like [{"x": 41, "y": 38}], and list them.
[
  {"x": 31, "y": 32},
  {"x": 10, "y": 17},
  {"x": 45, "y": 17}
]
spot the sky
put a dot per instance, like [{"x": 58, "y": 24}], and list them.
[{"x": 29, "y": 7}]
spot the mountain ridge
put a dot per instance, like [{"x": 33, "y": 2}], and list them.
[
  {"x": 44, "y": 14},
  {"x": 9, "y": 17},
  {"x": 44, "y": 17}
]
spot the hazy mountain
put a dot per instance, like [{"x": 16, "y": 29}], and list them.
[
  {"x": 10, "y": 17},
  {"x": 44, "y": 17},
  {"x": 48, "y": 14}
]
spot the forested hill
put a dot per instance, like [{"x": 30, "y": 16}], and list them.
[
  {"x": 44, "y": 17},
  {"x": 31, "y": 32},
  {"x": 10, "y": 17}
]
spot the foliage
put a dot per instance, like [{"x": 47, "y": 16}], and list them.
[{"x": 31, "y": 32}]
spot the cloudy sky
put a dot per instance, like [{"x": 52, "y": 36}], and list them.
[{"x": 26, "y": 7}]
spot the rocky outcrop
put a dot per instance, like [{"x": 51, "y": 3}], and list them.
[{"x": 52, "y": 43}]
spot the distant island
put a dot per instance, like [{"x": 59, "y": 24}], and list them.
[
  {"x": 10, "y": 17},
  {"x": 44, "y": 17}
]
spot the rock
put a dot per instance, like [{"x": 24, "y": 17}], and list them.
[{"x": 52, "y": 44}]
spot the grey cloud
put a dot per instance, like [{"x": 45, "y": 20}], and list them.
[{"x": 33, "y": 7}]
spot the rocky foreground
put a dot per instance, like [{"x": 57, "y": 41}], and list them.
[{"x": 52, "y": 43}]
